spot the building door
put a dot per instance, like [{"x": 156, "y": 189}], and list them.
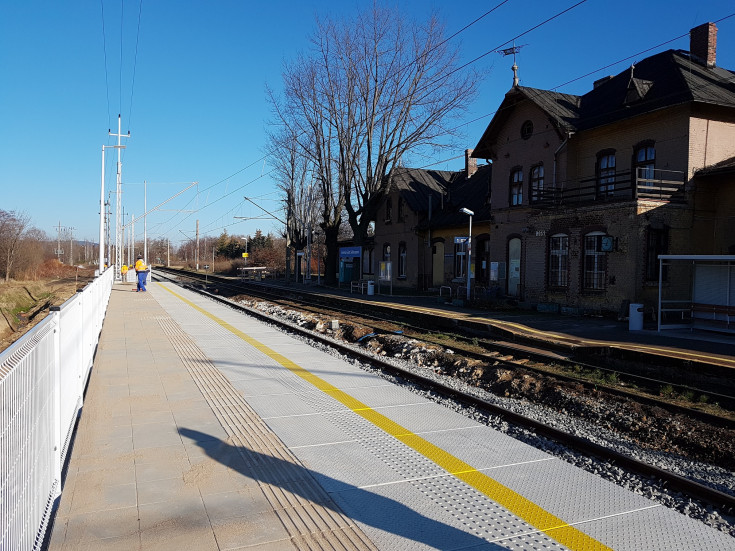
[
  {"x": 438, "y": 264},
  {"x": 514, "y": 267}
]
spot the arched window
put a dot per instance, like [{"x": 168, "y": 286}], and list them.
[
  {"x": 386, "y": 252},
  {"x": 595, "y": 261},
  {"x": 606, "y": 173},
  {"x": 388, "y": 209},
  {"x": 559, "y": 260},
  {"x": 401, "y": 209},
  {"x": 516, "y": 186},
  {"x": 644, "y": 162},
  {"x": 537, "y": 183}
]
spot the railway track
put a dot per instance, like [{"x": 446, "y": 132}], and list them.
[
  {"x": 722, "y": 501},
  {"x": 545, "y": 360}
]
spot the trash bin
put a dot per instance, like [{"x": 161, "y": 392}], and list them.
[
  {"x": 371, "y": 287},
  {"x": 635, "y": 317}
]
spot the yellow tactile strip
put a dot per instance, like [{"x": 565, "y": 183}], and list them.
[
  {"x": 525, "y": 509},
  {"x": 315, "y": 523}
]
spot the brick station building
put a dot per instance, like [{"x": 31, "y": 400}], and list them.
[{"x": 588, "y": 190}]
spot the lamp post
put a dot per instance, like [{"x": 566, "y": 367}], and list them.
[{"x": 469, "y": 213}]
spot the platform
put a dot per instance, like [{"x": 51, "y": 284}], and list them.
[{"x": 205, "y": 429}]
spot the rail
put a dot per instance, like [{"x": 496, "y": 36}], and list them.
[
  {"x": 42, "y": 381},
  {"x": 674, "y": 481}
]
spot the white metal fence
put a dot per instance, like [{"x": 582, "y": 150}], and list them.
[{"x": 42, "y": 381}]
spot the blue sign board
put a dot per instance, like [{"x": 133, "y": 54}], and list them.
[
  {"x": 350, "y": 252},
  {"x": 458, "y": 240}
]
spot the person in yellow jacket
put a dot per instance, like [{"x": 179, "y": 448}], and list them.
[
  {"x": 142, "y": 271},
  {"x": 124, "y": 272}
]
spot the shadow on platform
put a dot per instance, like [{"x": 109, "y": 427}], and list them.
[{"x": 374, "y": 510}]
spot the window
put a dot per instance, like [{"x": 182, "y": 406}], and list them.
[
  {"x": 559, "y": 260},
  {"x": 595, "y": 261},
  {"x": 516, "y": 187},
  {"x": 645, "y": 163},
  {"x": 367, "y": 260},
  {"x": 537, "y": 183},
  {"x": 402, "y": 260},
  {"x": 526, "y": 129},
  {"x": 656, "y": 244},
  {"x": 388, "y": 209},
  {"x": 401, "y": 209},
  {"x": 605, "y": 173},
  {"x": 460, "y": 255},
  {"x": 386, "y": 252}
]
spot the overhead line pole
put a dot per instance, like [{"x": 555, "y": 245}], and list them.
[
  {"x": 103, "y": 211},
  {"x": 118, "y": 206}
]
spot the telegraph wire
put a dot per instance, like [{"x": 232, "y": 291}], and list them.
[
  {"x": 122, "y": 13},
  {"x": 490, "y": 114},
  {"x": 469, "y": 25},
  {"x": 135, "y": 63},
  {"x": 104, "y": 49},
  {"x": 268, "y": 154},
  {"x": 513, "y": 39}
]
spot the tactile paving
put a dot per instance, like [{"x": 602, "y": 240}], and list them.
[{"x": 394, "y": 487}]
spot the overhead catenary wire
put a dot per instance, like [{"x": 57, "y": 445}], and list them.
[
  {"x": 135, "y": 64},
  {"x": 122, "y": 13},
  {"x": 104, "y": 50},
  {"x": 602, "y": 68},
  {"x": 269, "y": 153}
]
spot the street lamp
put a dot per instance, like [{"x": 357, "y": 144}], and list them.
[{"x": 469, "y": 213}]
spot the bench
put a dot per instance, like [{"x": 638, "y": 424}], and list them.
[
  {"x": 360, "y": 285},
  {"x": 713, "y": 314}
]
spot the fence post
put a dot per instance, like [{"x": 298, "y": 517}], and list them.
[
  {"x": 82, "y": 336},
  {"x": 56, "y": 351}
]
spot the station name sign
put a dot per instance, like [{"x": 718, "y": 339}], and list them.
[{"x": 350, "y": 252}]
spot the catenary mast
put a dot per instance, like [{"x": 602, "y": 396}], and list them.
[{"x": 118, "y": 206}]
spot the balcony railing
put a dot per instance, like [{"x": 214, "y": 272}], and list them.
[{"x": 647, "y": 184}]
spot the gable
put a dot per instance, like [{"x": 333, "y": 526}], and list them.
[{"x": 553, "y": 111}]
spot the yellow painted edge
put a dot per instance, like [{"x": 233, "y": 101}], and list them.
[{"x": 520, "y": 506}]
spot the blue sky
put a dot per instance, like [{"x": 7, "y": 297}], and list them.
[{"x": 193, "y": 97}]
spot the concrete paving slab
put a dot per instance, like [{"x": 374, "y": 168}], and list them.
[{"x": 151, "y": 449}]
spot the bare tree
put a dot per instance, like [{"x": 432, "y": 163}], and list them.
[
  {"x": 373, "y": 90},
  {"x": 31, "y": 254},
  {"x": 12, "y": 227},
  {"x": 308, "y": 131},
  {"x": 293, "y": 174},
  {"x": 409, "y": 88}
]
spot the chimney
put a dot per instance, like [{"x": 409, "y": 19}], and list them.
[
  {"x": 703, "y": 43},
  {"x": 470, "y": 163}
]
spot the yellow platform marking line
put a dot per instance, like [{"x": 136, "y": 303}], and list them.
[{"x": 523, "y": 508}]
